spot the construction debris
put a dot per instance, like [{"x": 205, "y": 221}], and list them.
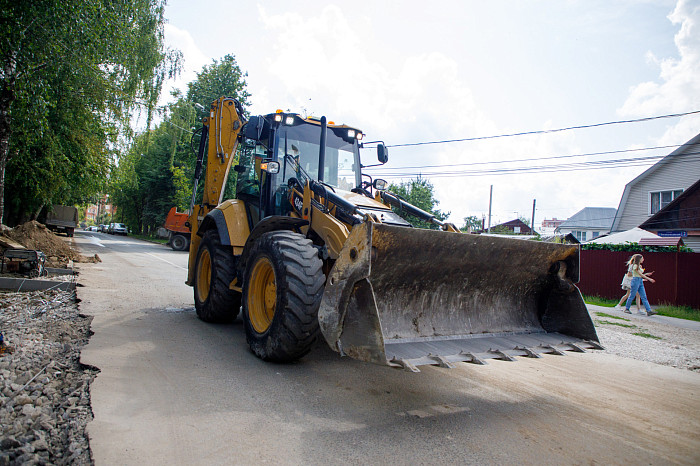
[
  {"x": 44, "y": 398},
  {"x": 35, "y": 235}
]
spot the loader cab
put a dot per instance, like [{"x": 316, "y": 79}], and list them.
[{"x": 271, "y": 137}]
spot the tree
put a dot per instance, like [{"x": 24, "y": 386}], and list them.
[
  {"x": 157, "y": 171},
  {"x": 72, "y": 72},
  {"x": 526, "y": 221},
  {"x": 472, "y": 222},
  {"x": 222, "y": 78},
  {"x": 418, "y": 192}
]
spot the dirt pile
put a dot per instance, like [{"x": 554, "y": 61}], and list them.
[{"x": 35, "y": 235}]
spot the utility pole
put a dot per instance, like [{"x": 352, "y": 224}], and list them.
[
  {"x": 490, "y": 200},
  {"x": 532, "y": 225}
]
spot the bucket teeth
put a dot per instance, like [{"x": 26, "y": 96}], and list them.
[
  {"x": 406, "y": 364},
  {"x": 501, "y": 355},
  {"x": 595, "y": 344},
  {"x": 472, "y": 358},
  {"x": 441, "y": 361},
  {"x": 530, "y": 353},
  {"x": 576, "y": 348},
  {"x": 552, "y": 349}
]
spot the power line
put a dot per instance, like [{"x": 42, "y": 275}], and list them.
[
  {"x": 547, "y": 131},
  {"x": 575, "y": 166},
  {"x": 620, "y": 151}
]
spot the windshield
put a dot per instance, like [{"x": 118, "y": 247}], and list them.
[{"x": 341, "y": 167}]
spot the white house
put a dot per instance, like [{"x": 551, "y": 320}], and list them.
[
  {"x": 588, "y": 223},
  {"x": 658, "y": 186}
]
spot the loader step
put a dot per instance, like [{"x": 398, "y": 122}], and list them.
[{"x": 445, "y": 351}]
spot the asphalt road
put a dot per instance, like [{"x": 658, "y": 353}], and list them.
[{"x": 175, "y": 390}]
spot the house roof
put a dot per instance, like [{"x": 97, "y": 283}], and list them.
[
  {"x": 514, "y": 223},
  {"x": 630, "y": 236},
  {"x": 668, "y": 217},
  {"x": 682, "y": 150},
  {"x": 591, "y": 217},
  {"x": 661, "y": 241}
]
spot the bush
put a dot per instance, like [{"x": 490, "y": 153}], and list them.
[{"x": 632, "y": 247}]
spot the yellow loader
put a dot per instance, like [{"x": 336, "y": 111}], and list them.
[{"x": 310, "y": 246}]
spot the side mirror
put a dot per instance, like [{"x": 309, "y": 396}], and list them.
[
  {"x": 254, "y": 128},
  {"x": 382, "y": 153}
]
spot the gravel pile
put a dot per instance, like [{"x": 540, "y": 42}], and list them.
[
  {"x": 645, "y": 339},
  {"x": 44, "y": 397}
]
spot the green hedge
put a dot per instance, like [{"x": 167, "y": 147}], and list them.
[{"x": 632, "y": 247}]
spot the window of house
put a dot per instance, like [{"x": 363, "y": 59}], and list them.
[
  {"x": 580, "y": 235},
  {"x": 660, "y": 199},
  {"x": 595, "y": 234}
]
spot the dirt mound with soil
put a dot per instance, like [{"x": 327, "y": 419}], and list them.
[{"x": 35, "y": 235}]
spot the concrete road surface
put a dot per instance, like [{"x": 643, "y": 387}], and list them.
[{"x": 175, "y": 390}]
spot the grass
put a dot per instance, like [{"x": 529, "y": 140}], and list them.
[
  {"x": 679, "y": 312},
  {"x": 599, "y": 301},
  {"x": 619, "y": 324},
  {"x": 151, "y": 239},
  {"x": 603, "y": 314},
  {"x": 646, "y": 335}
]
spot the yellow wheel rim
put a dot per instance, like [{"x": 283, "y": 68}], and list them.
[
  {"x": 203, "y": 275},
  {"x": 262, "y": 295}
]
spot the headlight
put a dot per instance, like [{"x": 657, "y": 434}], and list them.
[
  {"x": 289, "y": 120},
  {"x": 270, "y": 167},
  {"x": 278, "y": 117},
  {"x": 380, "y": 184},
  {"x": 351, "y": 133},
  {"x": 359, "y": 136}
]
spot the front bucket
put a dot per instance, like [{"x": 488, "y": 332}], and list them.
[{"x": 406, "y": 297}]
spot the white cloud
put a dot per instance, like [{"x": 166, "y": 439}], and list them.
[
  {"x": 678, "y": 86},
  {"x": 193, "y": 59}
]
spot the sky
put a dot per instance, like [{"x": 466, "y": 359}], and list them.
[{"x": 412, "y": 72}]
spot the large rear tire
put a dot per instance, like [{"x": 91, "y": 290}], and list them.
[
  {"x": 282, "y": 292},
  {"x": 215, "y": 269}
]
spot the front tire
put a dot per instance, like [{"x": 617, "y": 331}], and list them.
[
  {"x": 215, "y": 269},
  {"x": 282, "y": 292}
]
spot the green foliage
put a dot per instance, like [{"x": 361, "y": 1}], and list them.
[
  {"x": 647, "y": 335},
  {"x": 73, "y": 74},
  {"x": 610, "y": 316},
  {"x": 599, "y": 301},
  {"x": 222, "y": 78},
  {"x": 631, "y": 247},
  {"x": 503, "y": 230},
  {"x": 526, "y": 221},
  {"x": 472, "y": 222},
  {"x": 607, "y": 322},
  {"x": 157, "y": 171},
  {"x": 418, "y": 192},
  {"x": 679, "y": 312}
]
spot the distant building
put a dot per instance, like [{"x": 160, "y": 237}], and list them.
[
  {"x": 549, "y": 226},
  {"x": 553, "y": 223},
  {"x": 658, "y": 186},
  {"x": 517, "y": 226},
  {"x": 588, "y": 223},
  {"x": 103, "y": 206},
  {"x": 680, "y": 218}
]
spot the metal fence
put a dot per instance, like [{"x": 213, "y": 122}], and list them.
[{"x": 677, "y": 276}]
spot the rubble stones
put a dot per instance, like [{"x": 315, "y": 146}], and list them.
[{"x": 44, "y": 397}]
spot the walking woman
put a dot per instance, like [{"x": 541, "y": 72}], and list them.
[{"x": 637, "y": 284}]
